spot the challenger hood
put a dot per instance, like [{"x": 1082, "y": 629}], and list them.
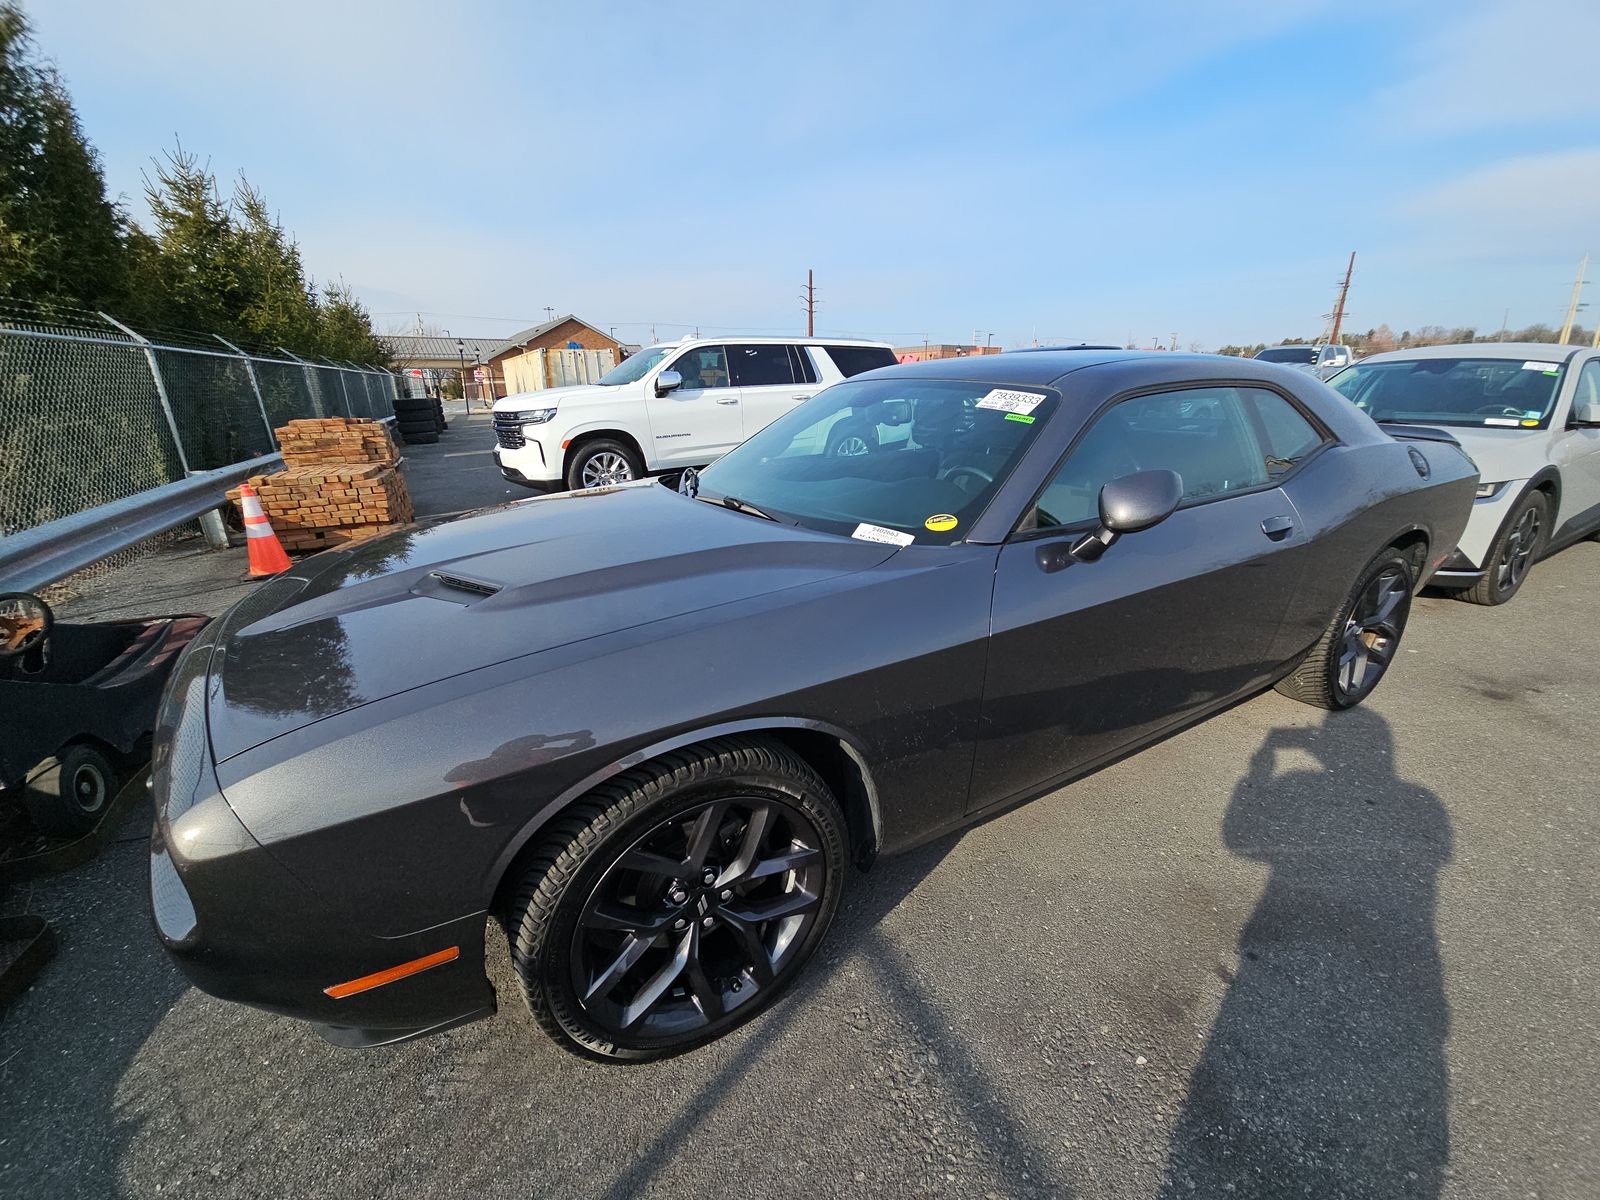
[{"x": 352, "y": 626}]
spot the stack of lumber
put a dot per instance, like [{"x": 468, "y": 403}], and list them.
[
  {"x": 325, "y": 440},
  {"x": 341, "y": 484}
]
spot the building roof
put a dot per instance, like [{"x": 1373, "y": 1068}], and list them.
[{"x": 430, "y": 348}]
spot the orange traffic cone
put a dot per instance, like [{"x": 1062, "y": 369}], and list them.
[{"x": 266, "y": 552}]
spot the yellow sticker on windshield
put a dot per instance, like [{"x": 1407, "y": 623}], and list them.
[
  {"x": 1527, "y": 424},
  {"x": 941, "y": 522}
]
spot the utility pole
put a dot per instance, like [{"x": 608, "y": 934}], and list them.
[
  {"x": 1573, "y": 305},
  {"x": 1338, "y": 308},
  {"x": 1174, "y": 341},
  {"x": 810, "y": 301},
  {"x": 549, "y": 313},
  {"x": 1505, "y": 320}
]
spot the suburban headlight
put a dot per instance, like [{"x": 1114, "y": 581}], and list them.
[
  {"x": 535, "y": 416},
  {"x": 1487, "y": 490}
]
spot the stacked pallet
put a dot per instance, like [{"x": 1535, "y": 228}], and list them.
[
  {"x": 327, "y": 440},
  {"x": 341, "y": 484}
]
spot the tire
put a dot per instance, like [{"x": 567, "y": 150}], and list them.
[
  {"x": 421, "y": 439},
  {"x": 413, "y": 406},
  {"x": 602, "y": 462},
  {"x": 410, "y": 426},
  {"x": 69, "y": 800},
  {"x": 709, "y": 964},
  {"x": 1516, "y": 548},
  {"x": 849, "y": 439},
  {"x": 1337, "y": 672}
]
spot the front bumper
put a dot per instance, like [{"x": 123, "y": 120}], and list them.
[
  {"x": 242, "y": 927},
  {"x": 526, "y": 464}
]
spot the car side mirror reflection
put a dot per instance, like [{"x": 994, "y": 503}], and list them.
[
  {"x": 668, "y": 381},
  {"x": 1586, "y": 414},
  {"x": 1130, "y": 504}
]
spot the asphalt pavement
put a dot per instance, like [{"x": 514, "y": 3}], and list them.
[{"x": 1280, "y": 954}]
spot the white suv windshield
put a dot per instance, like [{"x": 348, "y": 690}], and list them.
[
  {"x": 1512, "y": 393},
  {"x": 635, "y": 367}
]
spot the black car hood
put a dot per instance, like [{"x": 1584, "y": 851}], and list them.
[{"x": 353, "y": 626}]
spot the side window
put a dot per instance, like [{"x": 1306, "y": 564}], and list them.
[
  {"x": 702, "y": 367},
  {"x": 853, "y": 360},
  {"x": 760, "y": 366},
  {"x": 1286, "y": 436},
  {"x": 805, "y": 371},
  {"x": 1588, "y": 384},
  {"x": 1206, "y": 435}
]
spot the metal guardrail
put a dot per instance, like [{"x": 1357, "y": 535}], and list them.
[{"x": 34, "y": 558}]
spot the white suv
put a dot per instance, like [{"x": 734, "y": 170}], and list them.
[
  {"x": 667, "y": 407},
  {"x": 1529, "y": 415}
]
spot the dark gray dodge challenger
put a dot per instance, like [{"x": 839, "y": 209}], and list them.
[{"x": 648, "y": 730}]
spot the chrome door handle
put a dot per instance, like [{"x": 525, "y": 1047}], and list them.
[
  {"x": 729, "y": 400},
  {"x": 1277, "y": 528},
  {"x": 801, "y": 396}
]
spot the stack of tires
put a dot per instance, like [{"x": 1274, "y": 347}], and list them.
[{"x": 420, "y": 419}]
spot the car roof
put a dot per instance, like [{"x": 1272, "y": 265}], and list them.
[
  {"x": 767, "y": 341},
  {"x": 1538, "y": 351},
  {"x": 1045, "y": 367}
]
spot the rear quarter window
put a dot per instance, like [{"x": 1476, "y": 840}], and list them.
[{"x": 853, "y": 360}]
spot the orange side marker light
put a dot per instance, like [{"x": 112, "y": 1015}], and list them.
[{"x": 378, "y": 978}]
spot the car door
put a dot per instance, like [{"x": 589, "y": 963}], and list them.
[
  {"x": 1089, "y": 658},
  {"x": 1575, "y": 450},
  {"x": 764, "y": 373},
  {"x": 699, "y": 420}
]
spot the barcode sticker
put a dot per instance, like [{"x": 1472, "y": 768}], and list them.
[
  {"x": 1541, "y": 366},
  {"x": 1012, "y": 402},
  {"x": 877, "y": 533}
]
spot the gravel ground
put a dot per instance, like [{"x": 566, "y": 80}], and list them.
[{"x": 1279, "y": 954}]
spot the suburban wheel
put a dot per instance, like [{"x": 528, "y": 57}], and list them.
[
  {"x": 679, "y": 901},
  {"x": 850, "y": 439},
  {"x": 601, "y": 463},
  {"x": 1515, "y": 548},
  {"x": 1359, "y": 644},
  {"x": 68, "y": 800}
]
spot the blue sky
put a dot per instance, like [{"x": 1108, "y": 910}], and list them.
[{"x": 1057, "y": 170}]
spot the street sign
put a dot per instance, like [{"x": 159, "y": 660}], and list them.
[{"x": 479, "y": 375}]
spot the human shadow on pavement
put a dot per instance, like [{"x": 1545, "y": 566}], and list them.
[{"x": 1325, "y": 1071}]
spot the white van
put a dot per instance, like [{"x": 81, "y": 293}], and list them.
[{"x": 667, "y": 407}]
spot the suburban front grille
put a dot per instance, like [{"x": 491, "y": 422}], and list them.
[{"x": 509, "y": 431}]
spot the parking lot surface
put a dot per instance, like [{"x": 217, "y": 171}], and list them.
[{"x": 1282, "y": 953}]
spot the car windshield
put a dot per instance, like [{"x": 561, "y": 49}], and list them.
[
  {"x": 635, "y": 367},
  {"x": 894, "y": 460},
  {"x": 1289, "y": 354},
  {"x": 1514, "y": 393}
]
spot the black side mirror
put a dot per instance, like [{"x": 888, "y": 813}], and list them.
[{"x": 1130, "y": 504}]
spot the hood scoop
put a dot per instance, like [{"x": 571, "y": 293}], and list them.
[{"x": 459, "y": 589}]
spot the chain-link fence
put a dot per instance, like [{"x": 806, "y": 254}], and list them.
[{"x": 92, "y": 411}]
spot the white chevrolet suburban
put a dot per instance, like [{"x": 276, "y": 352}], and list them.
[{"x": 667, "y": 407}]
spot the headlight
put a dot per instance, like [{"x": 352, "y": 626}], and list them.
[
  {"x": 1487, "y": 490},
  {"x": 534, "y": 416}
]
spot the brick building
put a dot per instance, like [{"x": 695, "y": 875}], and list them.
[
  {"x": 927, "y": 352},
  {"x": 508, "y": 363}
]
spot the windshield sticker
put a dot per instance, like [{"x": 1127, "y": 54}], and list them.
[
  {"x": 1530, "y": 423},
  {"x": 1548, "y": 368},
  {"x": 877, "y": 533},
  {"x": 1512, "y": 421},
  {"x": 1012, "y": 402},
  {"x": 1534, "y": 413},
  {"x": 1023, "y": 417},
  {"x": 941, "y": 522}
]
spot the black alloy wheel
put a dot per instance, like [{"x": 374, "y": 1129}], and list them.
[
  {"x": 1516, "y": 548},
  {"x": 1372, "y": 634},
  {"x": 1359, "y": 644},
  {"x": 685, "y": 898}
]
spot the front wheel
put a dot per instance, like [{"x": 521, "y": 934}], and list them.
[
  {"x": 69, "y": 799},
  {"x": 1360, "y": 642},
  {"x": 679, "y": 901},
  {"x": 1515, "y": 548},
  {"x": 602, "y": 463}
]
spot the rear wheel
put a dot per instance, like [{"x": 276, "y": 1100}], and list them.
[
  {"x": 69, "y": 799},
  {"x": 679, "y": 901},
  {"x": 850, "y": 439},
  {"x": 1360, "y": 642},
  {"x": 1516, "y": 547}
]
